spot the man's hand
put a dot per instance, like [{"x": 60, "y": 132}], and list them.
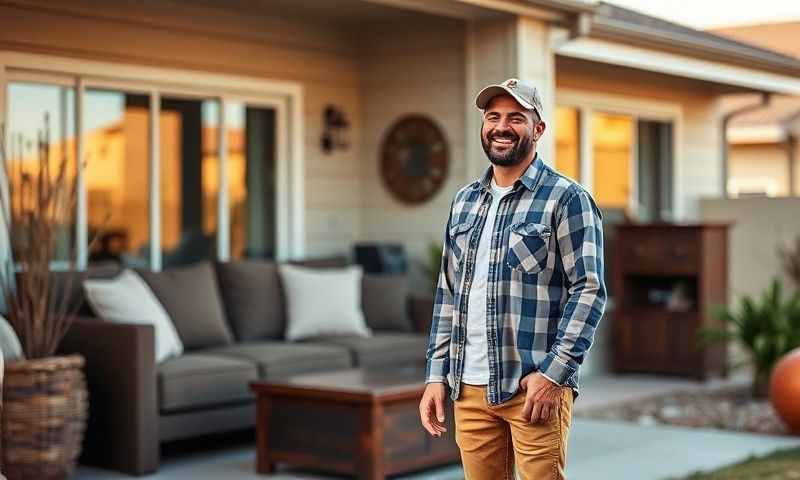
[
  {"x": 431, "y": 409},
  {"x": 542, "y": 397}
]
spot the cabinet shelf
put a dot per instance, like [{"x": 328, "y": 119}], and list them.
[{"x": 667, "y": 277}]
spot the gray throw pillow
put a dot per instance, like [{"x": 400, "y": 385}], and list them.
[
  {"x": 192, "y": 300},
  {"x": 251, "y": 292},
  {"x": 384, "y": 300}
]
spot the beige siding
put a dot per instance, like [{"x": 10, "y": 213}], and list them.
[{"x": 411, "y": 69}]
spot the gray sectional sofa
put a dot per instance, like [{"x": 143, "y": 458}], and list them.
[{"x": 230, "y": 317}]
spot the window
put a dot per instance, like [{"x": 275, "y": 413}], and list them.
[
  {"x": 189, "y": 180},
  {"x": 115, "y": 131},
  {"x": 33, "y": 110},
  {"x": 612, "y": 152},
  {"x": 567, "y": 142},
  {"x": 251, "y": 180}
]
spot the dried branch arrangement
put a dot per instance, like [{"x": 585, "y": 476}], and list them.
[{"x": 38, "y": 198}]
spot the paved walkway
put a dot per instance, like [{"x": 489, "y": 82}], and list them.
[{"x": 598, "y": 450}]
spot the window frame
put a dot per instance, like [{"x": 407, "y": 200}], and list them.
[
  {"x": 588, "y": 103},
  {"x": 285, "y": 97}
]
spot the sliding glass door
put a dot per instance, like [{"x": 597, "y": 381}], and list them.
[{"x": 170, "y": 179}]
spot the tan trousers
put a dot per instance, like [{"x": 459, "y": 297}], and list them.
[{"x": 493, "y": 438}]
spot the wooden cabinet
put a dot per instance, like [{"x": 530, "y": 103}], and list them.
[{"x": 666, "y": 279}]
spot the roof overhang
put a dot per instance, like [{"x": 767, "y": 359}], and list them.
[{"x": 670, "y": 63}]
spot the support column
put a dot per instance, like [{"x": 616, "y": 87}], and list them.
[
  {"x": 489, "y": 54},
  {"x": 535, "y": 63}
]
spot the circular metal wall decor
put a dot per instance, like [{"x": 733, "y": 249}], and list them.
[{"x": 414, "y": 159}]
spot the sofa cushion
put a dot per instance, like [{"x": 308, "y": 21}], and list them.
[
  {"x": 126, "y": 298},
  {"x": 384, "y": 299},
  {"x": 382, "y": 348},
  {"x": 191, "y": 297},
  {"x": 69, "y": 284},
  {"x": 251, "y": 293},
  {"x": 275, "y": 358},
  {"x": 196, "y": 380},
  {"x": 322, "y": 301}
]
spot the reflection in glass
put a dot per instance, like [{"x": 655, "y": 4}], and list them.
[
  {"x": 28, "y": 105},
  {"x": 116, "y": 150},
  {"x": 612, "y": 151},
  {"x": 251, "y": 180},
  {"x": 189, "y": 181},
  {"x": 567, "y": 151}
]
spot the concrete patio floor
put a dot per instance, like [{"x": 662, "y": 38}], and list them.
[{"x": 598, "y": 449}]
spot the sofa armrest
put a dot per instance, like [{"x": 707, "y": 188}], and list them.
[
  {"x": 421, "y": 310},
  {"x": 122, "y": 430}
]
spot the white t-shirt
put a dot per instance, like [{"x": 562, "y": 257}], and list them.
[{"x": 476, "y": 360}]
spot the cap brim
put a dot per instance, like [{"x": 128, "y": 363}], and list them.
[{"x": 488, "y": 93}]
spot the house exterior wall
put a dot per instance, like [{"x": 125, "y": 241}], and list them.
[
  {"x": 409, "y": 69},
  {"x": 322, "y": 58},
  {"x": 759, "y": 166},
  {"x": 760, "y": 227}
]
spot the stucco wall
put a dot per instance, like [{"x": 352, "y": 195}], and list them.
[{"x": 760, "y": 226}]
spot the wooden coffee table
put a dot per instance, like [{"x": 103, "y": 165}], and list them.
[{"x": 353, "y": 422}]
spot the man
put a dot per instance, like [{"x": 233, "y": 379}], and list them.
[{"x": 519, "y": 296}]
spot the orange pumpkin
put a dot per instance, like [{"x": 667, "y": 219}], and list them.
[{"x": 784, "y": 389}]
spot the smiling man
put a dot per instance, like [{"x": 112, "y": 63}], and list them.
[{"x": 519, "y": 297}]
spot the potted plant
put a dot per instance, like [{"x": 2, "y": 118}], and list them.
[
  {"x": 767, "y": 328},
  {"x": 44, "y": 395}
]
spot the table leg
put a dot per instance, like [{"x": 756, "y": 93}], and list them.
[
  {"x": 263, "y": 464},
  {"x": 370, "y": 455}
]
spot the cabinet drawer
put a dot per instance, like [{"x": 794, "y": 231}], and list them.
[{"x": 654, "y": 251}]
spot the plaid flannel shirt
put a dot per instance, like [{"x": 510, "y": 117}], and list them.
[{"x": 545, "y": 291}]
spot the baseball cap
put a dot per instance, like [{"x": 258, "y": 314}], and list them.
[{"x": 526, "y": 94}]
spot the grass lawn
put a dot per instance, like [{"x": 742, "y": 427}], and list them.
[{"x": 779, "y": 465}]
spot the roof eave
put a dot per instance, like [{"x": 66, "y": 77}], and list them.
[{"x": 641, "y": 35}]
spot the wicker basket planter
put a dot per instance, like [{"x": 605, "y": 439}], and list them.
[{"x": 44, "y": 417}]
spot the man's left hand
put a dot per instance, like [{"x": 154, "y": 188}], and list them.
[{"x": 542, "y": 397}]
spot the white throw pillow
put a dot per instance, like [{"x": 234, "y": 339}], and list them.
[
  {"x": 126, "y": 298},
  {"x": 323, "y": 301},
  {"x": 10, "y": 348}
]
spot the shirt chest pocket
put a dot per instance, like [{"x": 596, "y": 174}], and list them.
[
  {"x": 528, "y": 247},
  {"x": 460, "y": 234}
]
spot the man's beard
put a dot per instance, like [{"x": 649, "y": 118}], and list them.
[{"x": 514, "y": 155}]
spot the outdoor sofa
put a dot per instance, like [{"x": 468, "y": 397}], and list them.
[{"x": 137, "y": 404}]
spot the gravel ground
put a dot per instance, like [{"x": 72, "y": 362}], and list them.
[{"x": 731, "y": 408}]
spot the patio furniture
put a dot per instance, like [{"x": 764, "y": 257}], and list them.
[
  {"x": 362, "y": 422},
  {"x": 231, "y": 319},
  {"x": 666, "y": 278}
]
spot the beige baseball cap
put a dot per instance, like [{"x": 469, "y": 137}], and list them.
[{"x": 526, "y": 94}]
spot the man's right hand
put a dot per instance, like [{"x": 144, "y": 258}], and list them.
[{"x": 431, "y": 408}]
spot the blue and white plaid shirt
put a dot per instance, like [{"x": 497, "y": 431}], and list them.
[{"x": 545, "y": 291}]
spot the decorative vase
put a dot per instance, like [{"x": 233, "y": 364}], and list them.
[
  {"x": 784, "y": 389},
  {"x": 44, "y": 417}
]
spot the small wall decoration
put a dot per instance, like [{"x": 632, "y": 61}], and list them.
[
  {"x": 414, "y": 159},
  {"x": 336, "y": 125}
]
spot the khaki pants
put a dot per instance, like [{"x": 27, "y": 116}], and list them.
[{"x": 493, "y": 438}]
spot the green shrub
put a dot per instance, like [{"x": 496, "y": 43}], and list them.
[{"x": 768, "y": 328}]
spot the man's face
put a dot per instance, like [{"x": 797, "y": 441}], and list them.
[{"x": 509, "y": 132}]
